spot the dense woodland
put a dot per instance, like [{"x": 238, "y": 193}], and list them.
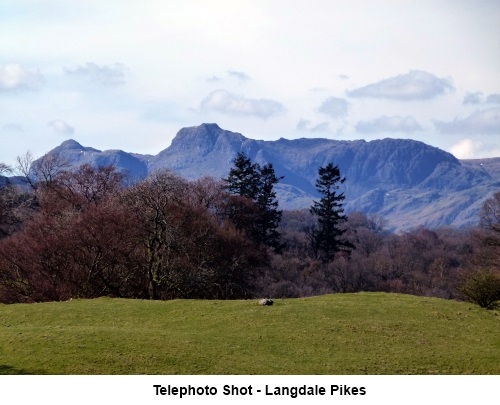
[{"x": 88, "y": 232}]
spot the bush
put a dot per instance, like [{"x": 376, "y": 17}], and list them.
[{"x": 482, "y": 287}]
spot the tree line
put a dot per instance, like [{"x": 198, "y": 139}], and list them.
[{"x": 87, "y": 232}]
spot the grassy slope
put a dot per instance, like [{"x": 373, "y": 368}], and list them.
[{"x": 366, "y": 333}]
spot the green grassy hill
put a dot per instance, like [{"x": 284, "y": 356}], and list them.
[{"x": 365, "y": 333}]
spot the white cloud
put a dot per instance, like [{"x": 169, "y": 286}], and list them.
[
  {"x": 303, "y": 125},
  {"x": 14, "y": 77},
  {"x": 106, "y": 75},
  {"x": 473, "y": 98},
  {"x": 306, "y": 125},
  {"x": 171, "y": 48},
  {"x": 61, "y": 127},
  {"x": 478, "y": 98},
  {"x": 233, "y": 104},
  {"x": 241, "y": 76},
  {"x": 334, "y": 107},
  {"x": 231, "y": 74},
  {"x": 493, "y": 99},
  {"x": 414, "y": 85},
  {"x": 406, "y": 124},
  {"x": 12, "y": 128},
  {"x": 480, "y": 122},
  {"x": 464, "y": 149},
  {"x": 472, "y": 149}
]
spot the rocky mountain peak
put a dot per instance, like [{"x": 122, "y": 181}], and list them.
[
  {"x": 203, "y": 138},
  {"x": 408, "y": 182},
  {"x": 71, "y": 144}
]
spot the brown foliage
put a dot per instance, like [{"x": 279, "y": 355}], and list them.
[
  {"x": 68, "y": 250},
  {"x": 84, "y": 234},
  {"x": 188, "y": 249}
]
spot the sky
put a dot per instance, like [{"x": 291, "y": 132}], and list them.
[{"x": 123, "y": 74}]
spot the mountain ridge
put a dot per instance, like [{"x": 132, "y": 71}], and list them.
[{"x": 406, "y": 181}]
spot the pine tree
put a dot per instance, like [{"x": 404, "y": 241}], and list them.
[
  {"x": 243, "y": 178},
  {"x": 255, "y": 183},
  {"x": 270, "y": 216},
  {"x": 328, "y": 235}
]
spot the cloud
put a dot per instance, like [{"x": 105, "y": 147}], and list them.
[
  {"x": 464, "y": 149},
  {"x": 303, "y": 124},
  {"x": 241, "y": 76},
  {"x": 415, "y": 85},
  {"x": 470, "y": 149},
  {"x": 473, "y": 98},
  {"x": 106, "y": 75},
  {"x": 334, "y": 107},
  {"x": 233, "y": 104},
  {"x": 493, "y": 99},
  {"x": 478, "y": 98},
  {"x": 61, "y": 127},
  {"x": 318, "y": 89},
  {"x": 12, "y": 128},
  {"x": 389, "y": 124},
  {"x": 14, "y": 77},
  {"x": 306, "y": 125},
  {"x": 479, "y": 122}
]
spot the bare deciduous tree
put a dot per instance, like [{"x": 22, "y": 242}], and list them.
[
  {"x": 155, "y": 202},
  {"x": 490, "y": 213},
  {"x": 42, "y": 171}
]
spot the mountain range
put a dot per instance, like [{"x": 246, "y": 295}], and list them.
[{"x": 407, "y": 182}]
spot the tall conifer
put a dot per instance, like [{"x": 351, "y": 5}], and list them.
[
  {"x": 256, "y": 183},
  {"x": 243, "y": 178},
  {"x": 328, "y": 235},
  {"x": 270, "y": 215}
]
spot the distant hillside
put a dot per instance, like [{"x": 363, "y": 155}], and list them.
[
  {"x": 10, "y": 181},
  {"x": 489, "y": 166},
  {"x": 408, "y": 182}
]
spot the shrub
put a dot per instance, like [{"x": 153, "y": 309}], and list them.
[{"x": 481, "y": 287}]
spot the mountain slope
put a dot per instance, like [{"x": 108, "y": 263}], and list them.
[
  {"x": 408, "y": 182},
  {"x": 75, "y": 155}
]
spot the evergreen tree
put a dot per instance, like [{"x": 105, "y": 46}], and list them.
[
  {"x": 328, "y": 235},
  {"x": 270, "y": 216},
  {"x": 244, "y": 178},
  {"x": 255, "y": 183}
]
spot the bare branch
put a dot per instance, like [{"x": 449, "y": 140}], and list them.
[
  {"x": 24, "y": 163},
  {"x": 490, "y": 213}
]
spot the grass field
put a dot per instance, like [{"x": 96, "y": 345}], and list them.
[{"x": 364, "y": 333}]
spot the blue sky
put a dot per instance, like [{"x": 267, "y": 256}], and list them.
[{"x": 121, "y": 74}]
